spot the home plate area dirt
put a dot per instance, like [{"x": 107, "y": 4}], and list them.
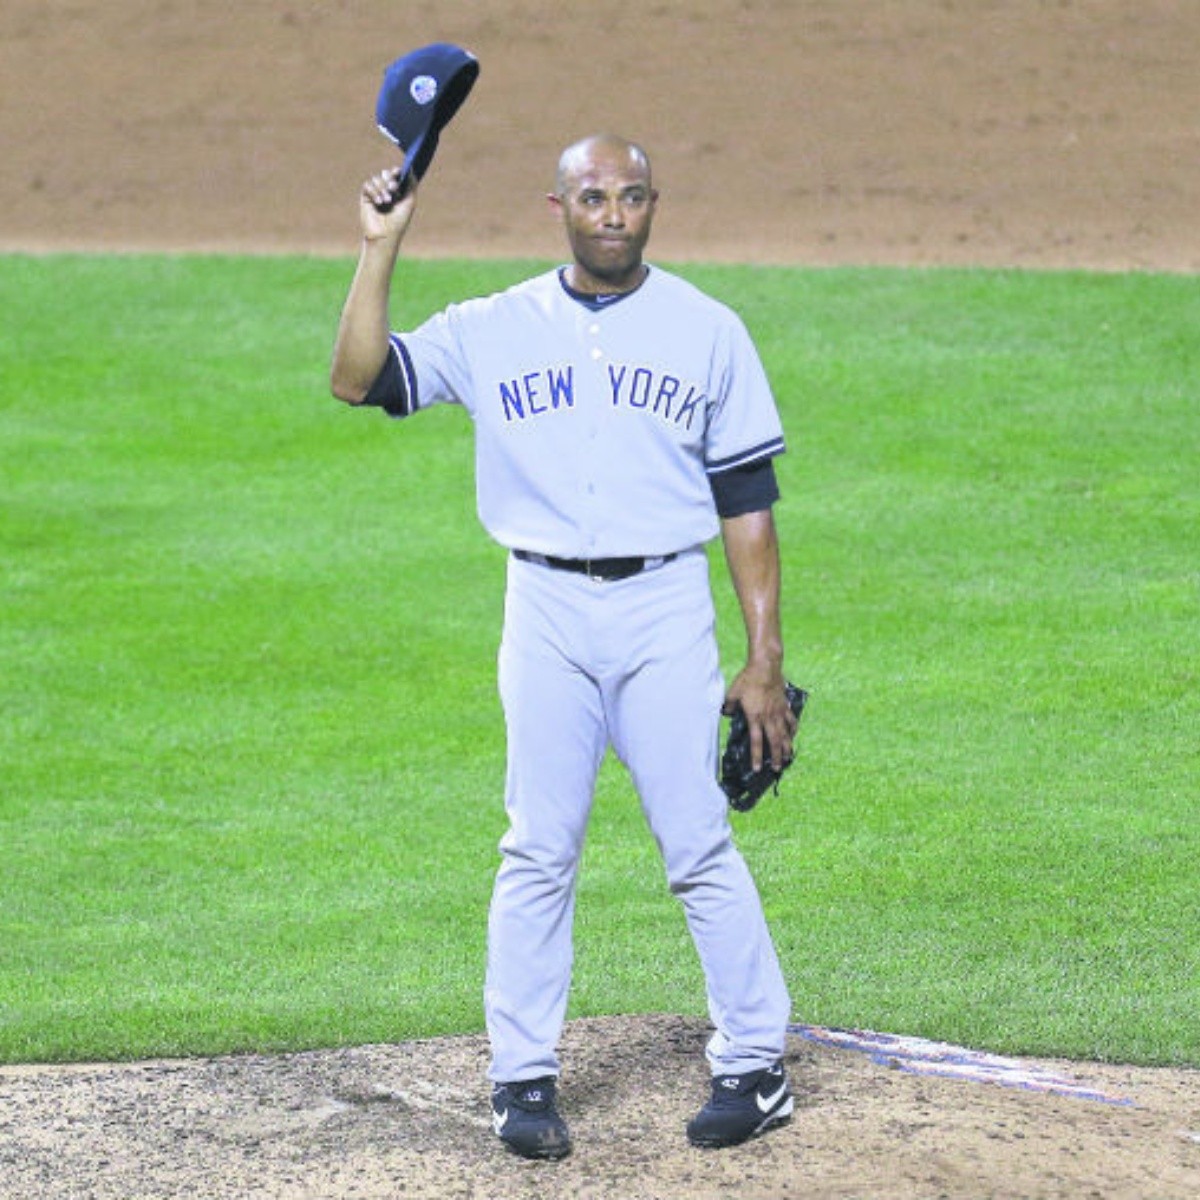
[{"x": 1031, "y": 133}]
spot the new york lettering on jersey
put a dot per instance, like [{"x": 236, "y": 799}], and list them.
[{"x": 667, "y": 396}]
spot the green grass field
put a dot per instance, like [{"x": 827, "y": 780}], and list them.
[{"x": 251, "y": 753}]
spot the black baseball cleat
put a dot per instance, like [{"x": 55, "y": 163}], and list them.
[
  {"x": 526, "y": 1121},
  {"x": 742, "y": 1107}
]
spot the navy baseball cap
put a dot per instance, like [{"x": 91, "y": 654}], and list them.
[{"x": 421, "y": 92}]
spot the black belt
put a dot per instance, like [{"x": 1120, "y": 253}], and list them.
[{"x": 607, "y": 569}]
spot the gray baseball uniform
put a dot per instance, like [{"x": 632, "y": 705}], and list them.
[{"x": 599, "y": 430}]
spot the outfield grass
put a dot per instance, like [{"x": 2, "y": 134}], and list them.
[{"x": 251, "y": 752}]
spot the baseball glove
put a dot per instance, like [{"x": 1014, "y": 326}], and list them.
[{"x": 739, "y": 780}]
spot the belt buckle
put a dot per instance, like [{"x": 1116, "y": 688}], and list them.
[{"x": 594, "y": 576}]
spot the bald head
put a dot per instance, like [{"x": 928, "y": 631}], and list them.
[
  {"x": 607, "y": 149},
  {"x": 606, "y": 202}
]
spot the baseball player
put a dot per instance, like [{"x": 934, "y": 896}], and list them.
[{"x": 622, "y": 420}]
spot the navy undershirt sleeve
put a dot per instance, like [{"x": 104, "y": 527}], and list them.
[
  {"x": 746, "y": 489},
  {"x": 389, "y": 391}
]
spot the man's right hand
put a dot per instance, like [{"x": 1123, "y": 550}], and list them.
[{"x": 383, "y": 216}]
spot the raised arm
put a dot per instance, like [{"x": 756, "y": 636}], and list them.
[
  {"x": 752, "y": 551},
  {"x": 362, "y": 338}
]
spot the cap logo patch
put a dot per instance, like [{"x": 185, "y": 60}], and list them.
[{"x": 423, "y": 89}]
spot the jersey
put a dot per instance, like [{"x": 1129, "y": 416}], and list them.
[{"x": 598, "y": 426}]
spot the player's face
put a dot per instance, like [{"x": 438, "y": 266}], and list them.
[{"x": 607, "y": 207}]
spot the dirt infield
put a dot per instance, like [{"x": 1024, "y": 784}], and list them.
[
  {"x": 412, "y": 1120},
  {"x": 1036, "y": 133},
  {"x": 1033, "y": 132}
]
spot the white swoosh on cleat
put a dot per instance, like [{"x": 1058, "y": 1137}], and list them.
[
  {"x": 499, "y": 1120},
  {"x": 766, "y": 1103}
]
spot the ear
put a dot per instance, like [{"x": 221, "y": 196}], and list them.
[{"x": 555, "y": 203}]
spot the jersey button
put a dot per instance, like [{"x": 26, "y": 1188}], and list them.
[{"x": 597, "y": 353}]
